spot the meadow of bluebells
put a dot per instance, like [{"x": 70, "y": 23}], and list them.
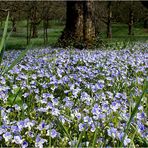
[{"x": 67, "y": 98}]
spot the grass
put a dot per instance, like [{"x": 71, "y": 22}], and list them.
[
  {"x": 17, "y": 39},
  {"x": 120, "y": 34}
]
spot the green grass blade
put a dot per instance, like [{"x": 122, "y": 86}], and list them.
[
  {"x": 15, "y": 62},
  {"x": 134, "y": 111},
  {"x": 15, "y": 97},
  {"x": 64, "y": 129},
  {"x": 80, "y": 139},
  {"x": 95, "y": 137},
  {"x": 4, "y": 37},
  {"x": 4, "y": 33}
]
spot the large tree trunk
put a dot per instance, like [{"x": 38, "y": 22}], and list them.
[
  {"x": 73, "y": 32},
  {"x": 109, "y": 21},
  {"x": 79, "y": 27},
  {"x": 89, "y": 26}
]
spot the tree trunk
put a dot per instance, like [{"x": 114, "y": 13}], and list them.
[
  {"x": 28, "y": 30},
  {"x": 146, "y": 23},
  {"x": 109, "y": 21},
  {"x": 34, "y": 30},
  {"x": 89, "y": 27},
  {"x": 79, "y": 27},
  {"x": 45, "y": 23},
  {"x": 46, "y": 31},
  {"x": 34, "y": 20},
  {"x": 13, "y": 25},
  {"x": 73, "y": 32},
  {"x": 131, "y": 20}
]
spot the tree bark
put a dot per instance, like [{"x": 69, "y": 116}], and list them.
[
  {"x": 109, "y": 21},
  {"x": 131, "y": 20},
  {"x": 34, "y": 20},
  {"x": 79, "y": 27},
  {"x": 73, "y": 31},
  {"x": 13, "y": 24},
  {"x": 28, "y": 30},
  {"x": 146, "y": 23},
  {"x": 89, "y": 27},
  {"x": 34, "y": 30}
]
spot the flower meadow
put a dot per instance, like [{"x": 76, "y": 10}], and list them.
[{"x": 74, "y": 98}]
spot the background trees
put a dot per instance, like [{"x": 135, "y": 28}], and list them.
[{"x": 84, "y": 21}]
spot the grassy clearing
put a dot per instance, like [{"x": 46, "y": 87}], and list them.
[
  {"x": 120, "y": 34},
  {"x": 17, "y": 39}
]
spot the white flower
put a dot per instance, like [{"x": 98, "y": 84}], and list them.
[
  {"x": 7, "y": 136},
  {"x": 17, "y": 140}
]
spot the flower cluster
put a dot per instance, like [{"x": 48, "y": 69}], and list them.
[{"x": 53, "y": 96}]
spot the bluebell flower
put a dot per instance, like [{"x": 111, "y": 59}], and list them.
[
  {"x": 53, "y": 133},
  {"x": 21, "y": 124},
  {"x": 112, "y": 132},
  {"x": 39, "y": 141},
  {"x": 55, "y": 111},
  {"x": 93, "y": 128},
  {"x": 7, "y": 136},
  {"x": 82, "y": 126},
  {"x": 15, "y": 129},
  {"x": 17, "y": 107},
  {"x": 126, "y": 141},
  {"x": 17, "y": 140},
  {"x": 115, "y": 106},
  {"x": 1, "y": 138},
  {"x": 141, "y": 116},
  {"x": 42, "y": 126},
  {"x": 2, "y": 130},
  {"x": 30, "y": 134},
  {"x": 78, "y": 115}
]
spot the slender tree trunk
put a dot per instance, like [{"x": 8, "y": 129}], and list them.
[
  {"x": 13, "y": 25},
  {"x": 89, "y": 27},
  {"x": 146, "y": 23},
  {"x": 109, "y": 21},
  {"x": 131, "y": 20},
  {"x": 34, "y": 22},
  {"x": 34, "y": 30},
  {"x": 30, "y": 31},
  {"x": 46, "y": 31},
  {"x": 27, "y": 30}
]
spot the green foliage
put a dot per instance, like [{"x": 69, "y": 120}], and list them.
[
  {"x": 135, "y": 110},
  {"x": 4, "y": 37}
]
